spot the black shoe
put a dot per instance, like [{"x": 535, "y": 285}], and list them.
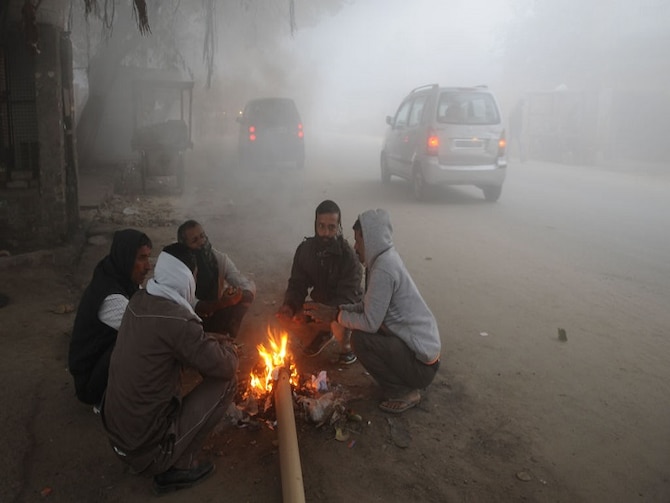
[
  {"x": 318, "y": 344},
  {"x": 175, "y": 479}
]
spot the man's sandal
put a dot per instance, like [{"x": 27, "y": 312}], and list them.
[
  {"x": 318, "y": 344},
  {"x": 400, "y": 405}
]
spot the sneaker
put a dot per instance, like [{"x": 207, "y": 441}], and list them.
[
  {"x": 318, "y": 344},
  {"x": 347, "y": 358}
]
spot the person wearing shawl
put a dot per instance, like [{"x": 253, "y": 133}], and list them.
[
  {"x": 153, "y": 426},
  {"x": 223, "y": 293},
  {"x": 115, "y": 279}
]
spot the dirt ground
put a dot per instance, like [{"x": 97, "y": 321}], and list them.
[{"x": 455, "y": 446}]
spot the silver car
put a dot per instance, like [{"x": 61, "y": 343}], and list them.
[{"x": 446, "y": 136}]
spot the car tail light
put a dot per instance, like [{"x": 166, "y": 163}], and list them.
[
  {"x": 432, "y": 143},
  {"x": 502, "y": 145},
  {"x": 252, "y": 133},
  {"x": 301, "y": 133}
]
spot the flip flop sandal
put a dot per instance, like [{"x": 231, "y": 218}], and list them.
[
  {"x": 318, "y": 344},
  {"x": 403, "y": 405}
]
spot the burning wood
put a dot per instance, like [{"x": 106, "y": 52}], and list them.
[
  {"x": 261, "y": 381},
  {"x": 269, "y": 394},
  {"x": 277, "y": 375}
]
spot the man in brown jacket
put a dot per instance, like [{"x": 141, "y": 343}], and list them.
[{"x": 152, "y": 427}]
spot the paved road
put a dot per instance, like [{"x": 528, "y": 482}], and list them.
[{"x": 584, "y": 249}]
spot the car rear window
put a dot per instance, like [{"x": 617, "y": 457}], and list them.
[
  {"x": 272, "y": 112},
  {"x": 467, "y": 108}
]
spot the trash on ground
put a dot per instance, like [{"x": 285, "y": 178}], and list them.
[
  {"x": 524, "y": 476},
  {"x": 63, "y": 309}
]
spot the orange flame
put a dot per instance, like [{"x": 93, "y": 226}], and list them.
[{"x": 277, "y": 356}]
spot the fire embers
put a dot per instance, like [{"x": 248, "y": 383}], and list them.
[
  {"x": 256, "y": 397},
  {"x": 277, "y": 356},
  {"x": 317, "y": 401}
]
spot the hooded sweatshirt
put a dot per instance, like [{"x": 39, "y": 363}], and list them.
[
  {"x": 91, "y": 338},
  {"x": 392, "y": 303}
]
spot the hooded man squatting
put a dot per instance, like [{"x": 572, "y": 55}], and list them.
[{"x": 394, "y": 333}]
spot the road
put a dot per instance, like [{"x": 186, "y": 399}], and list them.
[
  {"x": 514, "y": 414},
  {"x": 583, "y": 249}
]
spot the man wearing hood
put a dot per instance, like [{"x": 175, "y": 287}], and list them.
[
  {"x": 326, "y": 264},
  {"x": 223, "y": 294},
  {"x": 152, "y": 426},
  {"x": 395, "y": 335},
  {"x": 115, "y": 279}
]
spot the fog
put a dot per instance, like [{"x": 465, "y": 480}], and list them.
[
  {"x": 370, "y": 55},
  {"x": 576, "y": 240},
  {"x": 591, "y": 72},
  {"x": 594, "y": 72}
]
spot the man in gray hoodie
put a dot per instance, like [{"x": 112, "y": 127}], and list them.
[{"x": 395, "y": 335}]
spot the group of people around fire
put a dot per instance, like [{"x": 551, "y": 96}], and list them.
[{"x": 130, "y": 343}]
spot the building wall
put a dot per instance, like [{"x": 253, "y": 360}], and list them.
[{"x": 43, "y": 213}]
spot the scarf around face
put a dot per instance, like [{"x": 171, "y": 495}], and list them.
[
  {"x": 119, "y": 264},
  {"x": 173, "y": 281},
  {"x": 207, "y": 284}
]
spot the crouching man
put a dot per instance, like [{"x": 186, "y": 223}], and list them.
[
  {"x": 151, "y": 425},
  {"x": 395, "y": 335}
]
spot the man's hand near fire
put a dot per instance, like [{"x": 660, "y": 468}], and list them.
[
  {"x": 229, "y": 297},
  {"x": 286, "y": 314},
  {"x": 320, "y": 313}
]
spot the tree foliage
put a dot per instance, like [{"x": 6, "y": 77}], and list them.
[{"x": 245, "y": 22}]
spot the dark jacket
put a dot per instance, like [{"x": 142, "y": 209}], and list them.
[
  {"x": 334, "y": 274},
  {"x": 91, "y": 338}
]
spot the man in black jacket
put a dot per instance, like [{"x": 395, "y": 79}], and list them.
[
  {"x": 115, "y": 279},
  {"x": 326, "y": 264}
]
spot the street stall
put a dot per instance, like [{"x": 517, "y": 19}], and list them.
[{"x": 162, "y": 128}]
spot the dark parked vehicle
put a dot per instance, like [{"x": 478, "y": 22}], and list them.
[
  {"x": 271, "y": 133},
  {"x": 447, "y": 136}
]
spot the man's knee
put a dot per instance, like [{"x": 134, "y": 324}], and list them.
[{"x": 357, "y": 340}]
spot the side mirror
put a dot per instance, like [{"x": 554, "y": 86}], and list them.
[{"x": 389, "y": 120}]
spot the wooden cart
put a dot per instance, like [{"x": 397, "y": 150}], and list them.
[{"x": 162, "y": 128}]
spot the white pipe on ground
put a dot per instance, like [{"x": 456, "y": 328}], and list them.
[{"x": 293, "y": 490}]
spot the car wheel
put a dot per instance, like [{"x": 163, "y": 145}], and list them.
[
  {"x": 492, "y": 193},
  {"x": 418, "y": 184},
  {"x": 386, "y": 175}
]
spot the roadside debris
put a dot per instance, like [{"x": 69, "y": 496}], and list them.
[
  {"x": 63, "y": 309},
  {"x": 524, "y": 476}
]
